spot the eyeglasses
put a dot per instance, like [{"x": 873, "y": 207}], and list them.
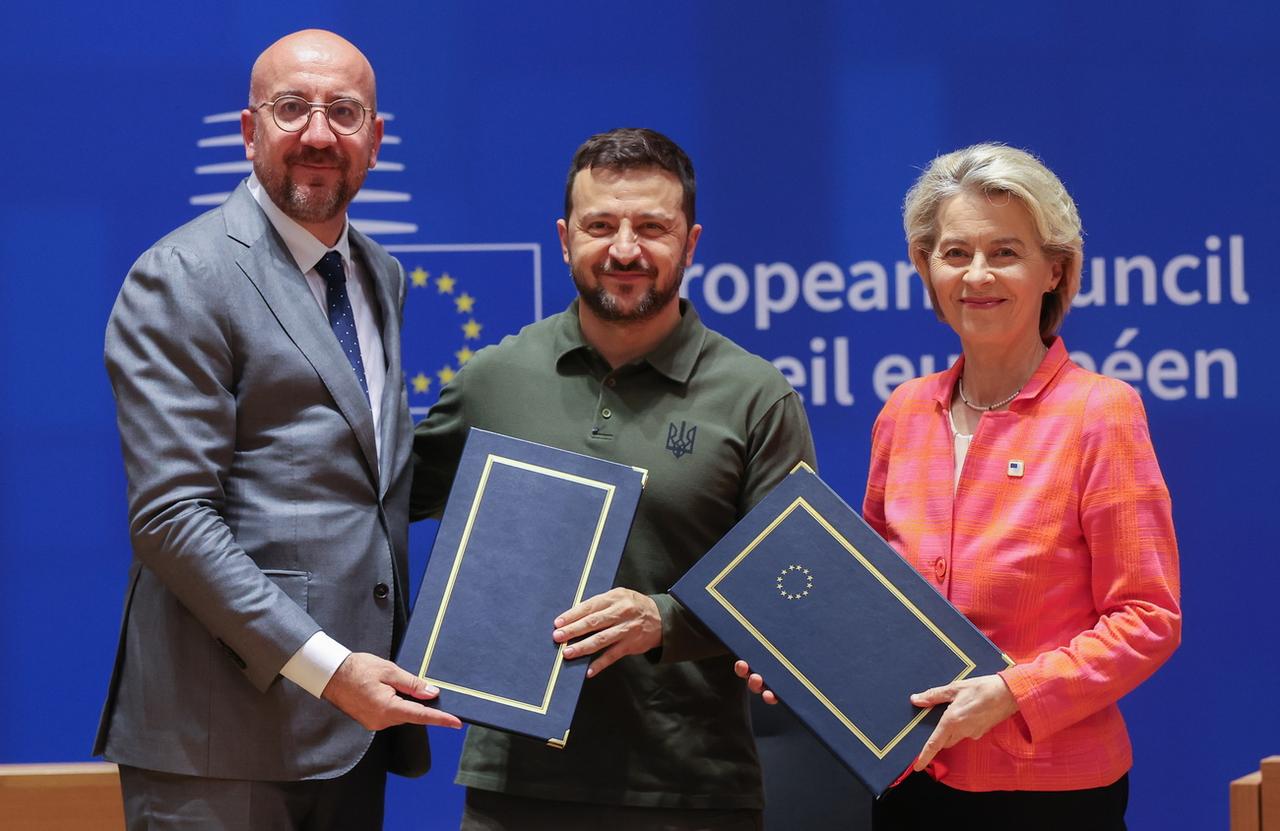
[{"x": 292, "y": 113}]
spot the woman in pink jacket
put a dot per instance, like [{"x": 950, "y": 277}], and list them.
[{"x": 1026, "y": 490}]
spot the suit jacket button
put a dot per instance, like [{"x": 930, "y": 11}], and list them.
[
  {"x": 381, "y": 591},
  {"x": 940, "y": 569}
]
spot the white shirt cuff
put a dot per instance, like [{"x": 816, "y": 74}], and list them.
[{"x": 315, "y": 662}]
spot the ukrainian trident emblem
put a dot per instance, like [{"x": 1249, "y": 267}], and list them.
[{"x": 680, "y": 439}]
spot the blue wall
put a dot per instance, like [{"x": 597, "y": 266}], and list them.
[{"x": 806, "y": 128}]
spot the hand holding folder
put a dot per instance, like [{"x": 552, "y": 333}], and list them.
[
  {"x": 975, "y": 705},
  {"x": 532, "y": 535},
  {"x": 379, "y": 694},
  {"x": 620, "y": 621},
  {"x": 843, "y": 628},
  {"x": 755, "y": 682}
]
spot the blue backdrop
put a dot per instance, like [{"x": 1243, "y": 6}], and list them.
[{"x": 806, "y": 127}]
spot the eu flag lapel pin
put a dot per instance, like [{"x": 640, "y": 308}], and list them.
[{"x": 1016, "y": 468}]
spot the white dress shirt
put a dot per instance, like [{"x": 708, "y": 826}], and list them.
[{"x": 318, "y": 659}]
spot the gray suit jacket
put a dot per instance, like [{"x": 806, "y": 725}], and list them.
[{"x": 258, "y": 508}]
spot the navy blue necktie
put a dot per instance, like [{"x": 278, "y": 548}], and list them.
[{"x": 341, "y": 318}]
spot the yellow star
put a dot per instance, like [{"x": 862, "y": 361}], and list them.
[
  {"x": 463, "y": 355},
  {"x": 445, "y": 375},
  {"x": 472, "y": 329},
  {"x": 419, "y": 276},
  {"x": 465, "y": 303},
  {"x": 421, "y": 383},
  {"x": 444, "y": 284}
]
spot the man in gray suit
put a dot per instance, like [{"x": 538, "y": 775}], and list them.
[{"x": 255, "y": 359}]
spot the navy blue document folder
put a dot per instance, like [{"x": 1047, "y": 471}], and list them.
[
  {"x": 842, "y": 628},
  {"x": 529, "y": 531}
]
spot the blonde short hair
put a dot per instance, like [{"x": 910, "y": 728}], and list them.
[{"x": 998, "y": 169}]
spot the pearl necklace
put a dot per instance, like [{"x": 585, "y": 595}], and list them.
[{"x": 982, "y": 408}]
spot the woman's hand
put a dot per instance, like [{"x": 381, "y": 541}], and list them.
[
  {"x": 754, "y": 682},
  {"x": 976, "y": 705}
]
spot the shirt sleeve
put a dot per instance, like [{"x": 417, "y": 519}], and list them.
[
  {"x": 437, "y": 448},
  {"x": 1126, "y": 518},
  {"x": 779, "y": 441},
  {"x": 315, "y": 662}
]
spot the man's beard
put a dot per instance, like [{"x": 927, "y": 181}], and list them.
[
  {"x": 606, "y": 306},
  {"x": 308, "y": 204}
]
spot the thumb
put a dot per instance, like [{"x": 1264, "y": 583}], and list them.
[
  {"x": 934, "y": 696},
  {"x": 404, "y": 682}
]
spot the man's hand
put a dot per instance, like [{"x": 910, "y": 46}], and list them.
[
  {"x": 365, "y": 687},
  {"x": 624, "y": 623},
  {"x": 976, "y": 705},
  {"x": 755, "y": 682}
]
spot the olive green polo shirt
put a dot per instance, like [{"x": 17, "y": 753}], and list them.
[{"x": 717, "y": 428}]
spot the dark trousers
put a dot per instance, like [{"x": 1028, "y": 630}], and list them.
[
  {"x": 491, "y": 811},
  {"x": 922, "y": 803},
  {"x": 155, "y": 801}
]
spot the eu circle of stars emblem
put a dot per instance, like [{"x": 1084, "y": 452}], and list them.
[
  {"x": 466, "y": 329},
  {"x": 795, "y": 582}
]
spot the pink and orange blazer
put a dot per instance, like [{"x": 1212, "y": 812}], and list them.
[{"x": 1057, "y": 543}]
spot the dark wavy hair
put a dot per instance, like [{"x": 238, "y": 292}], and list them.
[{"x": 628, "y": 148}]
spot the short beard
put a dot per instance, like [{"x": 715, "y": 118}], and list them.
[
  {"x": 647, "y": 306},
  {"x": 310, "y": 206},
  {"x": 303, "y": 204}
]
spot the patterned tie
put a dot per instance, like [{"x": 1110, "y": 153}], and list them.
[{"x": 341, "y": 318}]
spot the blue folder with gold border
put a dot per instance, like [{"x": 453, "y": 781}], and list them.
[
  {"x": 842, "y": 628},
  {"x": 529, "y": 531}
]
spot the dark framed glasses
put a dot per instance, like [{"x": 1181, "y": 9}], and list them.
[{"x": 292, "y": 113}]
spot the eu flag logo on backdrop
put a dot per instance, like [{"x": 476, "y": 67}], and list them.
[
  {"x": 460, "y": 296},
  {"x": 460, "y": 299}
]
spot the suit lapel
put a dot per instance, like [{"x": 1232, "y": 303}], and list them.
[
  {"x": 268, "y": 265},
  {"x": 385, "y": 280}
]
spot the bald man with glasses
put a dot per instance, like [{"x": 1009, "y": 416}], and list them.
[{"x": 255, "y": 358}]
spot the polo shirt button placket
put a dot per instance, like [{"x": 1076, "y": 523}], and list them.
[{"x": 603, "y": 412}]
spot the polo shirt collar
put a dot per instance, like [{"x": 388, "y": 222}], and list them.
[
  {"x": 305, "y": 249},
  {"x": 675, "y": 357}
]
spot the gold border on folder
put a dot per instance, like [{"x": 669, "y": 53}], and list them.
[
  {"x": 801, "y": 502},
  {"x": 542, "y": 706}
]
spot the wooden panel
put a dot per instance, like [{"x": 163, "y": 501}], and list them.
[
  {"x": 1246, "y": 804},
  {"x": 59, "y": 797},
  {"x": 1270, "y": 770}
]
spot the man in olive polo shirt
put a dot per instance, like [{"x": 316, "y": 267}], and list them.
[{"x": 661, "y": 737}]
